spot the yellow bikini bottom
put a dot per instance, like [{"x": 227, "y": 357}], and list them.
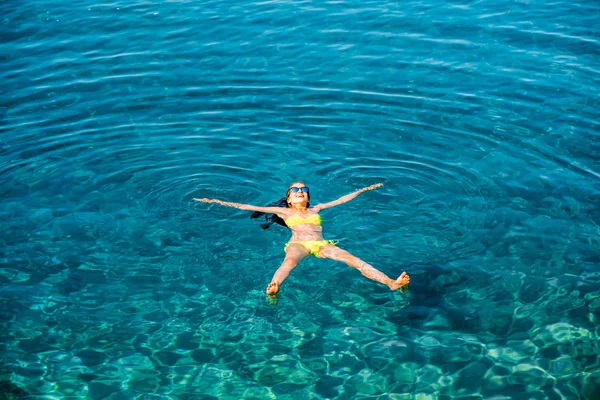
[{"x": 311, "y": 245}]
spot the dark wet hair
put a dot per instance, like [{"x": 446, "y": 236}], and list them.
[{"x": 274, "y": 218}]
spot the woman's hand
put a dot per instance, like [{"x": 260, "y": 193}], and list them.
[
  {"x": 205, "y": 200},
  {"x": 373, "y": 187}
]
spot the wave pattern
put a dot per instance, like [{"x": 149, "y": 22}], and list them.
[{"x": 481, "y": 119}]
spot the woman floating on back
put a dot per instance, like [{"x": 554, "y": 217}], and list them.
[{"x": 307, "y": 236}]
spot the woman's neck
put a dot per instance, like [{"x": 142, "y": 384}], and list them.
[{"x": 299, "y": 207}]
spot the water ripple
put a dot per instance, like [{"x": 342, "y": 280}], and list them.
[{"x": 479, "y": 118}]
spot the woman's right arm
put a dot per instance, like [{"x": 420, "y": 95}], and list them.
[{"x": 280, "y": 211}]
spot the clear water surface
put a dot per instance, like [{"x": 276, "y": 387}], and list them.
[{"x": 480, "y": 117}]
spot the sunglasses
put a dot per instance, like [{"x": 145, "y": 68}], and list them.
[{"x": 303, "y": 189}]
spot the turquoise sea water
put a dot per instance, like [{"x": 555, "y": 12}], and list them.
[{"x": 480, "y": 117}]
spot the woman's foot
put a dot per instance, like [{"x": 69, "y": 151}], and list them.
[
  {"x": 403, "y": 280},
  {"x": 273, "y": 288}
]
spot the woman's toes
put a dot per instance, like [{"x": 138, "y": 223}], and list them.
[
  {"x": 273, "y": 287},
  {"x": 403, "y": 279}
]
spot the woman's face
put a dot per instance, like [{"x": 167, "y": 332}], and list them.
[{"x": 300, "y": 196}]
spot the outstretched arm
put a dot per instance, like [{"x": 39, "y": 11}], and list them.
[
  {"x": 275, "y": 210},
  {"x": 346, "y": 198}
]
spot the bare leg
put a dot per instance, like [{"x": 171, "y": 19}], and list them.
[
  {"x": 294, "y": 254},
  {"x": 335, "y": 253}
]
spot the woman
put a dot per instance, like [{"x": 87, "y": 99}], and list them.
[{"x": 307, "y": 236}]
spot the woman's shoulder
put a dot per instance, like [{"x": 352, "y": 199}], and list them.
[{"x": 316, "y": 208}]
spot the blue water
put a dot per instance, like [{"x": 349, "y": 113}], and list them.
[{"x": 480, "y": 117}]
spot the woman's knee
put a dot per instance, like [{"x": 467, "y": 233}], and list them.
[{"x": 289, "y": 263}]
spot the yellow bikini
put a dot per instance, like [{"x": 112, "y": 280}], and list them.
[
  {"x": 311, "y": 245},
  {"x": 294, "y": 220}
]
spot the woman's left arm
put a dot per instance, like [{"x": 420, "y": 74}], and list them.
[{"x": 346, "y": 198}]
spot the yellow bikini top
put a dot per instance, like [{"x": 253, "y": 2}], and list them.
[{"x": 294, "y": 220}]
